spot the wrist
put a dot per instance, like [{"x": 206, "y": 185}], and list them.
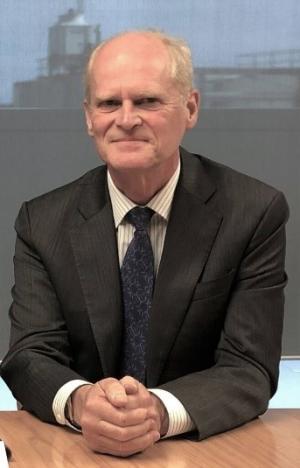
[
  {"x": 75, "y": 404},
  {"x": 163, "y": 415}
]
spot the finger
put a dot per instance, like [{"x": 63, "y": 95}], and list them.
[
  {"x": 130, "y": 384},
  {"x": 97, "y": 407},
  {"x": 121, "y": 416},
  {"x": 123, "y": 434},
  {"x": 114, "y": 391},
  {"x": 141, "y": 399},
  {"x": 122, "y": 449}
]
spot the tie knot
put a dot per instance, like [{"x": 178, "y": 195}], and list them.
[{"x": 139, "y": 217}]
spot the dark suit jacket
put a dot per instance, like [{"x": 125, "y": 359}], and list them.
[{"x": 216, "y": 321}]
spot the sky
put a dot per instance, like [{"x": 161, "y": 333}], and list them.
[{"x": 218, "y": 31}]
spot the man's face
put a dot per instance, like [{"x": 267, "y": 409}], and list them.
[{"x": 136, "y": 113}]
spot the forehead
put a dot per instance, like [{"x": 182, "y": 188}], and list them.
[{"x": 132, "y": 60}]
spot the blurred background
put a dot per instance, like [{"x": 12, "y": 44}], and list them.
[{"x": 247, "y": 66}]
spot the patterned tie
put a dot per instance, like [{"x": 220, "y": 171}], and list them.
[{"x": 137, "y": 275}]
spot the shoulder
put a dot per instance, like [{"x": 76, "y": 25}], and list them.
[
  {"x": 235, "y": 193},
  {"x": 226, "y": 179},
  {"x": 71, "y": 189},
  {"x": 59, "y": 205}
]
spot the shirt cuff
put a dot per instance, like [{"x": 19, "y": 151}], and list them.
[
  {"x": 179, "y": 419},
  {"x": 61, "y": 398}
]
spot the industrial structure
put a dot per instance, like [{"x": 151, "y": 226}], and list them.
[
  {"x": 264, "y": 80},
  {"x": 60, "y": 77}
]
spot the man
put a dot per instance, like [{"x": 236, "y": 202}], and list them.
[{"x": 208, "y": 342}]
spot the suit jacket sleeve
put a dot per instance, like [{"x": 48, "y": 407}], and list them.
[
  {"x": 40, "y": 359},
  {"x": 66, "y": 313},
  {"x": 238, "y": 386}
]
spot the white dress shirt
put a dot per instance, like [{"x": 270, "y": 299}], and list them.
[{"x": 179, "y": 419}]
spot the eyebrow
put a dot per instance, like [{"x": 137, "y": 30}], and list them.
[{"x": 134, "y": 96}]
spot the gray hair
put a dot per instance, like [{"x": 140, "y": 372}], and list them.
[{"x": 181, "y": 66}]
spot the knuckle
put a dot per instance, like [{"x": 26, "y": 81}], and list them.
[
  {"x": 152, "y": 413},
  {"x": 142, "y": 413},
  {"x": 122, "y": 419},
  {"x": 151, "y": 424},
  {"x": 146, "y": 399},
  {"x": 89, "y": 408},
  {"x": 128, "y": 379},
  {"x": 121, "y": 435},
  {"x": 151, "y": 438},
  {"x": 84, "y": 421},
  {"x": 101, "y": 426},
  {"x": 108, "y": 382}
]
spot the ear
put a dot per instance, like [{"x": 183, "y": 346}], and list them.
[
  {"x": 193, "y": 105},
  {"x": 88, "y": 119}
]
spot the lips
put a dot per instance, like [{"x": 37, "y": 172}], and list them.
[{"x": 127, "y": 140}]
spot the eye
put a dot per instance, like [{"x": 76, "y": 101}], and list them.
[
  {"x": 148, "y": 102},
  {"x": 108, "y": 105}
]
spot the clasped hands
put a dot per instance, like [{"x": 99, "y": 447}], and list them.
[{"x": 119, "y": 417}]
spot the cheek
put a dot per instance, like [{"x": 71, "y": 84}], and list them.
[
  {"x": 100, "y": 126},
  {"x": 174, "y": 122},
  {"x": 173, "y": 130}
]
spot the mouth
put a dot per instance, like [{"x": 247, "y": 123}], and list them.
[{"x": 128, "y": 140}]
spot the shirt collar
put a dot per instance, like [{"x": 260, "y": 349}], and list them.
[{"x": 160, "y": 203}]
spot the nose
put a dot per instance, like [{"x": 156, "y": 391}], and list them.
[{"x": 128, "y": 116}]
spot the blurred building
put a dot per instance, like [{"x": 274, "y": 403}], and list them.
[
  {"x": 249, "y": 88},
  {"x": 265, "y": 80},
  {"x": 60, "y": 80},
  {"x": 262, "y": 80}
]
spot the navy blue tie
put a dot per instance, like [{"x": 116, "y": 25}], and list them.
[{"x": 137, "y": 275}]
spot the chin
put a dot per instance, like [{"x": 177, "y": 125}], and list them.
[{"x": 129, "y": 162}]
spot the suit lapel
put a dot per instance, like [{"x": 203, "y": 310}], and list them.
[
  {"x": 192, "y": 229},
  {"x": 95, "y": 250}
]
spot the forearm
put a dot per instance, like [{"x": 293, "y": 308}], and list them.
[
  {"x": 34, "y": 380},
  {"x": 223, "y": 396}
]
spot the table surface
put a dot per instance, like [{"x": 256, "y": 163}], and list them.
[{"x": 272, "y": 441}]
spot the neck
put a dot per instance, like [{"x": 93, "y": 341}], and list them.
[{"x": 141, "y": 186}]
